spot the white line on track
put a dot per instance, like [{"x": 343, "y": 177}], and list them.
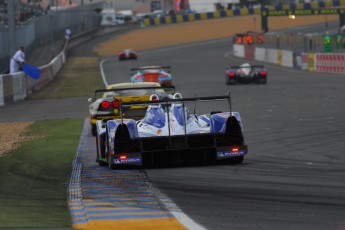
[
  {"x": 171, "y": 206},
  {"x": 228, "y": 54}
]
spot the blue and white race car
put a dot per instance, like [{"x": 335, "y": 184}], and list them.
[
  {"x": 170, "y": 134},
  {"x": 160, "y": 74}
]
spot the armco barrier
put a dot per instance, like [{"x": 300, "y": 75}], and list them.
[
  {"x": 311, "y": 66},
  {"x": 272, "y": 56},
  {"x": 260, "y": 54},
  {"x": 238, "y": 50},
  {"x": 287, "y": 58}
]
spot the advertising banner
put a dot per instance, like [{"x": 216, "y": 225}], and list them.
[
  {"x": 177, "y": 5},
  {"x": 331, "y": 63}
]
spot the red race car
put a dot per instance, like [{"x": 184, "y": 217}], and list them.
[{"x": 127, "y": 54}]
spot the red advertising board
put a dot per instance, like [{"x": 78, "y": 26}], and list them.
[{"x": 332, "y": 63}]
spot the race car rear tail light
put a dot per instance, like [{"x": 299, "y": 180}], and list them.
[
  {"x": 138, "y": 77},
  {"x": 164, "y": 75},
  {"x": 123, "y": 157},
  {"x": 231, "y": 74},
  {"x": 115, "y": 104},
  {"x": 154, "y": 98},
  {"x": 234, "y": 149},
  {"x": 263, "y": 73},
  {"x": 105, "y": 105}
]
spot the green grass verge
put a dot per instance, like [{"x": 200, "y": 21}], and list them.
[
  {"x": 34, "y": 178},
  {"x": 78, "y": 77}
]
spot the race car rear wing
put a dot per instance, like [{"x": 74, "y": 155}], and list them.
[
  {"x": 166, "y": 88},
  {"x": 251, "y": 66},
  {"x": 181, "y": 100},
  {"x": 167, "y": 68},
  {"x": 167, "y": 102}
]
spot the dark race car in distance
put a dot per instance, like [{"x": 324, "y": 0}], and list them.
[{"x": 246, "y": 73}]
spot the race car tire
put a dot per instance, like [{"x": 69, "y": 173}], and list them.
[
  {"x": 236, "y": 160},
  {"x": 100, "y": 162},
  {"x": 215, "y": 112},
  {"x": 229, "y": 82},
  {"x": 93, "y": 130},
  {"x": 102, "y": 147}
]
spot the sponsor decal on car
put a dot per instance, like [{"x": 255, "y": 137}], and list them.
[
  {"x": 127, "y": 160},
  {"x": 231, "y": 153}
]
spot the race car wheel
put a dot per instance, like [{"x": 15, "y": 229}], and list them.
[
  {"x": 227, "y": 81},
  {"x": 102, "y": 149},
  {"x": 236, "y": 160},
  {"x": 262, "y": 80},
  {"x": 93, "y": 130},
  {"x": 230, "y": 82},
  {"x": 102, "y": 163}
]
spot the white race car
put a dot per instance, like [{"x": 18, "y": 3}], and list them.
[
  {"x": 246, "y": 73},
  {"x": 169, "y": 133}
]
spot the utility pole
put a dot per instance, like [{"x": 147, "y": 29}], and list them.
[
  {"x": 163, "y": 7},
  {"x": 12, "y": 41}
]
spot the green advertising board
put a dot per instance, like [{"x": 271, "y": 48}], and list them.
[
  {"x": 327, "y": 44},
  {"x": 339, "y": 41}
]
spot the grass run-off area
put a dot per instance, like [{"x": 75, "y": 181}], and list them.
[
  {"x": 34, "y": 178},
  {"x": 78, "y": 77}
]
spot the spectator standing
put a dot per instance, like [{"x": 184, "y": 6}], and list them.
[{"x": 17, "y": 59}]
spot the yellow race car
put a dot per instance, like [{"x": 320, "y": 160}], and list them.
[{"x": 108, "y": 105}]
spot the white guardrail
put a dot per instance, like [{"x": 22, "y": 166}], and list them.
[
  {"x": 315, "y": 62},
  {"x": 16, "y": 87}
]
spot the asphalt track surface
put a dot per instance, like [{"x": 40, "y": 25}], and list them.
[{"x": 293, "y": 176}]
